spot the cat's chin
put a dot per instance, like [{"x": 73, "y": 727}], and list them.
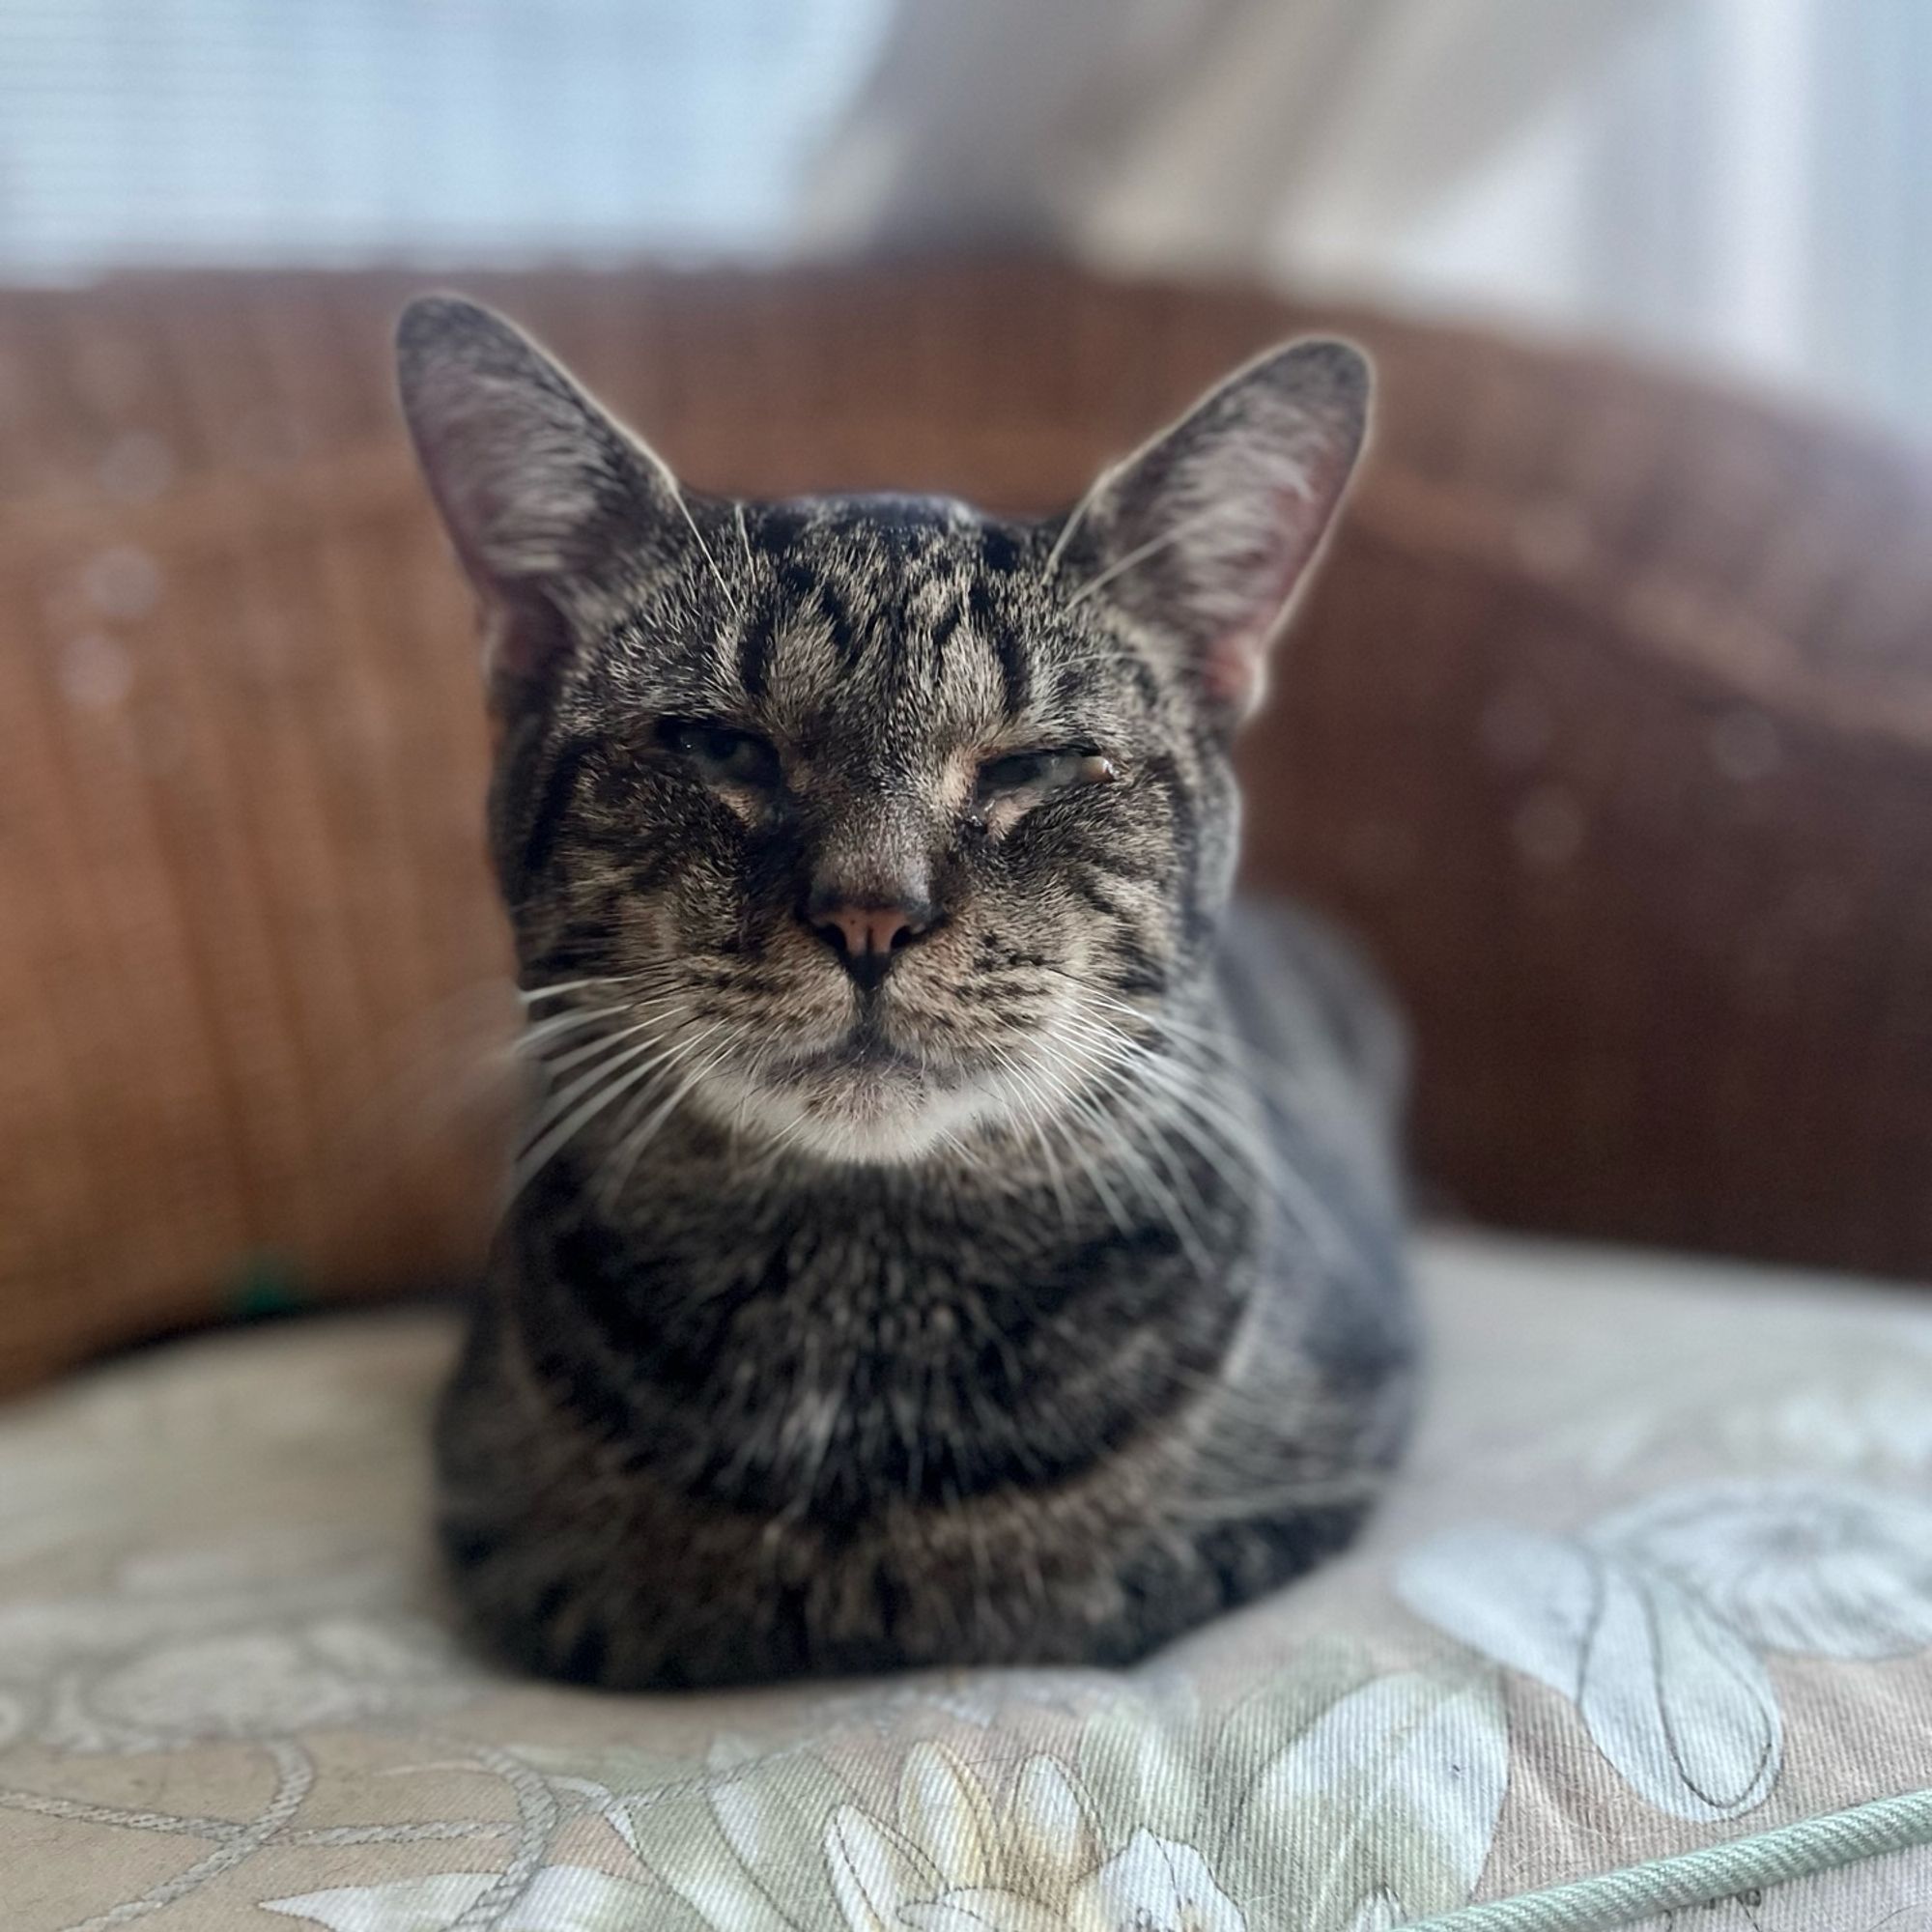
[{"x": 884, "y": 1115}]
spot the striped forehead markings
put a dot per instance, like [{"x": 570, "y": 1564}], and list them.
[
  {"x": 1008, "y": 646},
  {"x": 870, "y": 586}
]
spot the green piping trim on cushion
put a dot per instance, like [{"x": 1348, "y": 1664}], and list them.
[{"x": 1610, "y": 1899}]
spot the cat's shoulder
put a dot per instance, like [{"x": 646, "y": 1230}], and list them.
[{"x": 1297, "y": 983}]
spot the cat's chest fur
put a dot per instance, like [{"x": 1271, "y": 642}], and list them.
[{"x": 845, "y": 1344}]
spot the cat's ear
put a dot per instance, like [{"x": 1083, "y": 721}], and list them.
[
  {"x": 1202, "y": 534},
  {"x": 542, "y": 491}
]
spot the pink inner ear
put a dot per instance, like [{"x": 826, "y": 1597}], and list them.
[
  {"x": 1231, "y": 669},
  {"x": 523, "y": 637},
  {"x": 1261, "y": 578}
]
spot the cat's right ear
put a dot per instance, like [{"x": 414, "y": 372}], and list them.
[{"x": 542, "y": 491}]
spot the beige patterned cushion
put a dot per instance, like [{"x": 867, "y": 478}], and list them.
[{"x": 1658, "y": 1580}]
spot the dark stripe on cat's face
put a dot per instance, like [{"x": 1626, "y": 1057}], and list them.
[
  {"x": 547, "y": 825},
  {"x": 944, "y": 626},
  {"x": 881, "y": 668},
  {"x": 758, "y": 636},
  {"x": 1008, "y": 649}
]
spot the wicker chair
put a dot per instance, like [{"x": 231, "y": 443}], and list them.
[{"x": 1608, "y": 725}]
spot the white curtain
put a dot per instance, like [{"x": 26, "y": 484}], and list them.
[
  {"x": 1745, "y": 183},
  {"x": 470, "y": 133},
  {"x": 1304, "y": 134}
]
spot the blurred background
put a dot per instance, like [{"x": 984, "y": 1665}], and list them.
[
  {"x": 1745, "y": 184},
  {"x": 1608, "y": 726}
]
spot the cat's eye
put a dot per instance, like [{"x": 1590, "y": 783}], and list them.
[
  {"x": 1041, "y": 773},
  {"x": 721, "y": 753}
]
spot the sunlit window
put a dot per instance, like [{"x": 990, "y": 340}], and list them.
[{"x": 338, "y": 131}]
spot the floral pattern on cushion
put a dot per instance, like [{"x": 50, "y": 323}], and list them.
[{"x": 1660, "y": 1575}]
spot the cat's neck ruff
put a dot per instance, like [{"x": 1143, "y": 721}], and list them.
[{"x": 1154, "y": 1129}]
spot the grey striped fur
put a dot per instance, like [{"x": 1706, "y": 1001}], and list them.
[{"x": 1037, "y": 1303}]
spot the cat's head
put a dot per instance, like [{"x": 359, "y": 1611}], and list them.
[{"x": 877, "y": 818}]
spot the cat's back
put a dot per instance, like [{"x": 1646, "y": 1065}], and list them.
[{"x": 1320, "y": 1045}]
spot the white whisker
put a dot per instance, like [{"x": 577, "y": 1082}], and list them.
[
  {"x": 536, "y": 1156},
  {"x": 736, "y": 603},
  {"x": 1201, "y": 1115},
  {"x": 1197, "y": 1104},
  {"x": 1140, "y": 553},
  {"x": 1075, "y": 1107},
  {"x": 1116, "y": 1134},
  {"x": 572, "y": 1020},
  {"x": 649, "y": 1015},
  {"x": 1076, "y": 516},
  {"x": 1040, "y": 1118},
  {"x": 617, "y": 1168},
  {"x": 557, "y": 988}
]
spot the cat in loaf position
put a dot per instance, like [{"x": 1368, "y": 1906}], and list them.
[{"x": 950, "y": 1229}]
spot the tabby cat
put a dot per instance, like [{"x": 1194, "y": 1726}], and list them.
[{"x": 947, "y": 1232}]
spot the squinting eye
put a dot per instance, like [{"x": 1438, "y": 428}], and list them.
[
  {"x": 721, "y": 753},
  {"x": 1043, "y": 772}
]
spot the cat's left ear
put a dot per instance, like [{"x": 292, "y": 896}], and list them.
[
  {"x": 546, "y": 495},
  {"x": 1202, "y": 535}
]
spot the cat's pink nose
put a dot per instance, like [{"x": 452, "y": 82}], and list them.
[{"x": 867, "y": 938}]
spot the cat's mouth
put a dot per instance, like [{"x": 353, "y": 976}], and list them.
[
  {"x": 864, "y": 1050},
  {"x": 862, "y": 1097},
  {"x": 881, "y": 1085}
]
